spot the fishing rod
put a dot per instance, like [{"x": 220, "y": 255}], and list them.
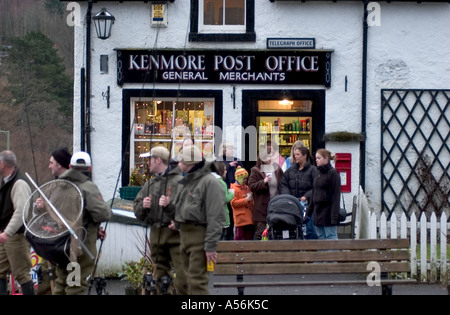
[{"x": 92, "y": 278}]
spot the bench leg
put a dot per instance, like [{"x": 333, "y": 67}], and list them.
[
  {"x": 240, "y": 278},
  {"x": 387, "y": 288}
]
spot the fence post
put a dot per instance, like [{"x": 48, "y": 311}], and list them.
[
  {"x": 423, "y": 247},
  {"x": 383, "y": 226},
  {"x": 373, "y": 226},
  {"x": 413, "y": 236},
  {"x": 393, "y": 226},
  {"x": 444, "y": 276},
  {"x": 433, "y": 248},
  {"x": 403, "y": 226}
]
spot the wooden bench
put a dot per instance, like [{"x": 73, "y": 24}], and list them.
[{"x": 310, "y": 257}]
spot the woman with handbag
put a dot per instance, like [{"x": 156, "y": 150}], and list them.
[{"x": 325, "y": 197}]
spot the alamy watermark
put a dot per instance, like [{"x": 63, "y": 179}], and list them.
[
  {"x": 74, "y": 17},
  {"x": 374, "y": 277},
  {"x": 74, "y": 276},
  {"x": 373, "y": 14}
]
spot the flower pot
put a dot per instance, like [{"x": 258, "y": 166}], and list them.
[{"x": 131, "y": 291}]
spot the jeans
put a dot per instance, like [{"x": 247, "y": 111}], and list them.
[{"x": 327, "y": 232}]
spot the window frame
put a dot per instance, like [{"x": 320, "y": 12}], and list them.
[
  {"x": 225, "y": 34},
  {"x": 206, "y": 28}
]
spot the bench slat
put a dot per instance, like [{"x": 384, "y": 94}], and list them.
[
  {"x": 293, "y": 245},
  {"x": 304, "y": 268},
  {"x": 307, "y": 283},
  {"x": 299, "y": 256}
]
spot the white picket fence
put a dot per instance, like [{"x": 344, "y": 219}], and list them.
[{"x": 426, "y": 266}]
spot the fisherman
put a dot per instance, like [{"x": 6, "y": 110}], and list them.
[
  {"x": 152, "y": 207},
  {"x": 15, "y": 253},
  {"x": 199, "y": 216},
  {"x": 95, "y": 211}
]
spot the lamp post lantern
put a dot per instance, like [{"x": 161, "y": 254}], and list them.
[{"x": 103, "y": 22}]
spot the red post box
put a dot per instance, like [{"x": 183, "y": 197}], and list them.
[{"x": 343, "y": 164}]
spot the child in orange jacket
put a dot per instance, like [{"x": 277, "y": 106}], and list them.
[{"x": 242, "y": 205}]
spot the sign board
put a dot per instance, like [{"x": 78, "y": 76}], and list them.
[
  {"x": 291, "y": 43},
  {"x": 311, "y": 67}
]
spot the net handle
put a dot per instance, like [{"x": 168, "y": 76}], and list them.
[{"x": 63, "y": 220}]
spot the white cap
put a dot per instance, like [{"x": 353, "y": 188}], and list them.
[{"x": 81, "y": 159}]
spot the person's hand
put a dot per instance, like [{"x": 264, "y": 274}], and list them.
[
  {"x": 164, "y": 201},
  {"x": 268, "y": 178},
  {"x": 40, "y": 203},
  {"x": 4, "y": 237},
  {"x": 147, "y": 202},
  {"x": 211, "y": 256},
  {"x": 173, "y": 226},
  {"x": 101, "y": 235},
  {"x": 234, "y": 163}
]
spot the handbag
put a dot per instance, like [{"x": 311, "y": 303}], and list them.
[{"x": 342, "y": 211}]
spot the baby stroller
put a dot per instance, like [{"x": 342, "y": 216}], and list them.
[{"x": 285, "y": 218}]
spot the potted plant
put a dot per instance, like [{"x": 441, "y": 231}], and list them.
[
  {"x": 137, "y": 179},
  {"x": 133, "y": 274}
]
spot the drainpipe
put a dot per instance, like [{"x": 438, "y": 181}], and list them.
[
  {"x": 86, "y": 145},
  {"x": 362, "y": 148}
]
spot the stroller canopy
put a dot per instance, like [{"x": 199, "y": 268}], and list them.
[{"x": 286, "y": 210}]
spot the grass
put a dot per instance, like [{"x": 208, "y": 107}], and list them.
[{"x": 438, "y": 247}]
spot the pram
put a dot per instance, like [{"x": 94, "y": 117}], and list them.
[{"x": 285, "y": 218}]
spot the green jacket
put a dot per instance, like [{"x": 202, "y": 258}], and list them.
[
  {"x": 228, "y": 197},
  {"x": 156, "y": 187},
  {"x": 96, "y": 210},
  {"x": 200, "y": 199}
]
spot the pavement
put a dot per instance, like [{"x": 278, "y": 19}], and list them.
[{"x": 117, "y": 287}]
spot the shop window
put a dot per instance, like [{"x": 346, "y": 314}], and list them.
[
  {"x": 283, "y": 122},
  {"x": 222, "y": 20},
  {"x": 169, "y": 122}
]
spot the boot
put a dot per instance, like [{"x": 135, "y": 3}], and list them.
[
  {"x": 28, "y": 288},
  {"x": 3, "y": 287}
]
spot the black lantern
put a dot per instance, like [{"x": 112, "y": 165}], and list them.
[{"x": 103, "y": 22}]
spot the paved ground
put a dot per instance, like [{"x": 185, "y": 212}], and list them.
[{"x": 117, "y": 287}]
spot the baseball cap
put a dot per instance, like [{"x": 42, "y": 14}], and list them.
[
  {"x": 81, "y": 159},
  {"x": 160, "y": 152}
]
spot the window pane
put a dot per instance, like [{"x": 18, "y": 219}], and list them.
[
  {"x": 213, "y": 12},
  {"x": 168, "y": 123},
  {"x": 234, "y": 12}
]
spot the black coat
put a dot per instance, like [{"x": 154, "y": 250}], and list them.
[
  {"x": 297, "y": 182},
  {"x": 325, "y": 201}
]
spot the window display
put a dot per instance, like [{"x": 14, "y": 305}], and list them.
[
  {"x": 282, "y": 123},
  {"x": 168, "y": 123}
]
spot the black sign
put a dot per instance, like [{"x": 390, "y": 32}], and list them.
[{"x": 224, "y": 67}]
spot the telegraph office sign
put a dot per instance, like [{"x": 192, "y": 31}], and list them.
[{"x": 224, "y": 67}]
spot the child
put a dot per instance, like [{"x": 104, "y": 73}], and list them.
[
  {"x": 242, "y": 205},
  {"x": 229, "y": 195}
]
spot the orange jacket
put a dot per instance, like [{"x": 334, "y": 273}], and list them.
[{"x": 242, "y": 209}]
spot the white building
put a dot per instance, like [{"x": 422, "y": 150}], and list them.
[{"x": 344, "y": 66}]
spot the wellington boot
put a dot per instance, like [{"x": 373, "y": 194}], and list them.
[
  {"x": 28, "y": 288},
  {"x": 3, "y": 287}
]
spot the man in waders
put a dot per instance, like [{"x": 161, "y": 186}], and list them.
[
  {"x": 152, "y": 207},
  {"x": 199, "y": 216},
  {"x": 95, "y": 212},
  {"x": 15, "y": 253}
]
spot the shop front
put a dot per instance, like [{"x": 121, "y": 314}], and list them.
[{"x": 275, "y": 108}]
